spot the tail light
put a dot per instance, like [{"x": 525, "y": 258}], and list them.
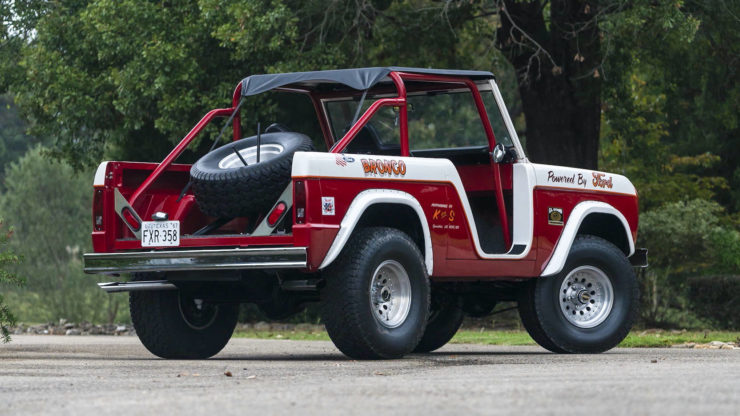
[
  {"x": 98, "y": 210},
  {"x": 299, "y": 202},
  {"x": 276, "y": 214}
]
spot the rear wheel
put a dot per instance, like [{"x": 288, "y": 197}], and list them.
[
  {"x": 445, "y": 319},
  {"x": 589, "y": 307},
  {"x": 172, "y": 324},
  {"x": 376, "y": 299}
]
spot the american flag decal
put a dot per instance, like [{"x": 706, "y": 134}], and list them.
[{"x": 341, "y": 161}]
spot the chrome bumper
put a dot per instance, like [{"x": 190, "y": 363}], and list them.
[
  {"x": 184, "y": 260},
  {"x": 114, "y": 287},
  {"x": 639, "y": 258}
]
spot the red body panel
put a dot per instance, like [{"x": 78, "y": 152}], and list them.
[
  {"x": 451, "y": 235},
  {"x": 547, "y": 235},
  {"x": 161, "y": 196}
]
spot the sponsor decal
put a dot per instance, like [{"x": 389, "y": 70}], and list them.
[
  {"x": 552, "y": 177},
  {"x": 575, "y": 179},
  {"x": 327, "y": 205},
  {"x": 382, "y": 167},
  {"x": 440, "y": 214},
  {"x": 555, "y": 216},
  {"x": 342, "y": 160},
  {"x": 600, "y": 180},
  {"x": 443, "y": 215}
]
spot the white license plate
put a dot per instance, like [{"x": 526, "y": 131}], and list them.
[{"x": 160, "y": 233}]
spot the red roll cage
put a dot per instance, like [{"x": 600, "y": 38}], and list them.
[{"x": 397, "y": 77}]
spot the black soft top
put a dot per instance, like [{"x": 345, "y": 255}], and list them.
[{"x": 357, "y": 78}]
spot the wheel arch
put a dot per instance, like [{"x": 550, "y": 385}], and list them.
[
  {"x": 371, "y": 208},
  {"x": 594, "y": 218},
  {"x": 607, "y": 226}
]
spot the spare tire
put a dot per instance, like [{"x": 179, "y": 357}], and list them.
[{"x": 224, "y": 187}]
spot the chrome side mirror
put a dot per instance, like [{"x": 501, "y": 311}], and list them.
[{"x": 498, "y": 154}]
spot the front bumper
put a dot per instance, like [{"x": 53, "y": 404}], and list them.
[
  {"x": 188, "y": 260},
  {"x": 639, "y": 258}
]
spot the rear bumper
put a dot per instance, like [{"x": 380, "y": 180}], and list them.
[
  {"x": 639, "y": 259},
  {"x": 186, "y": 260}
]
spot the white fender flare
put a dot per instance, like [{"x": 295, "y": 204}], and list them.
[
  {"x": 581, "y": 211},
  {"x": 358, "y": 206}
]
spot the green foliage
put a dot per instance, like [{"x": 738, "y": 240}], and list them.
[
  {"x": 717, "y": 298},
  {"x": 687, "y": 239},
  {"x": 127, "y": 79},
  {"x": 689, "y": 227},
  {"x": 13, "y": 140},
  {"x": 49, "y": 205},
  {"x": 7, "y": 258},
  {"x": 670, "y": 123},
  {"x": 634, "y": 143}
]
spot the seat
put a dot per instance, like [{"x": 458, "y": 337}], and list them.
[{"x": 366, "y": 142}]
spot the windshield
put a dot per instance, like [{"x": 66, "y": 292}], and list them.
[{"x": 436, "y": 120}]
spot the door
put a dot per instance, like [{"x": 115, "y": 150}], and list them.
[{"x": 450, "y": 125}]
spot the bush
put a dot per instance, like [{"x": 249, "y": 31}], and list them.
[
  {"x": 687, "y": 240},
  {"x": 7, "y": 257},
  {"x": 717, "y": 298},
  {"x": 50, "y": 207}
]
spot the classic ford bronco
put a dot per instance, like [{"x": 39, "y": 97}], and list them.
[{"x": 420, "y": 208}]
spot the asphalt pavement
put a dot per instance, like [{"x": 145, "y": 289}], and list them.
[{"x": 88, "y": 375}]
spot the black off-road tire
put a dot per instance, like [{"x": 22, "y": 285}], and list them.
[
  {"x": 160, "y": 324},
  {"x": 445, "y": 319},
  {"x": 529, "y": 318},
  {"x": 347, "y": 310},
  {"x": 245, "y": 190},
  {"x": 540, "y": 307}
]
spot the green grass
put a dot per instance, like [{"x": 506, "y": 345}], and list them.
[
  {"x": 637, "y": 338},
  {"x": 294, "y": 335},
  {"x": 668, "y": 338},
  {"x": 490, "y": 337}
]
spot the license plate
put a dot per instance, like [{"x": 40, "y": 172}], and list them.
[{"x": 160, "y": 233}]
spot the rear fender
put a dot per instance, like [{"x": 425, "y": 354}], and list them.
[{"x": 357, "y": 208}]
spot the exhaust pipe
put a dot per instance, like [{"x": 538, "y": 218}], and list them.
[{"x": 113, "y": 287}]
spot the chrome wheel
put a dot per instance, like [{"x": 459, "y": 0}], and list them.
[
  {"x": 249, "y": 154},
  {"x": 390, "y": 294},
  {"x": 586, "y": 296}
]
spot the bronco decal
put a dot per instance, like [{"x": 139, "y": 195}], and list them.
[{"x": 384, "y": 167}]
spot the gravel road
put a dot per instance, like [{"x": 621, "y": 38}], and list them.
[{"x": 116, "y": 375}]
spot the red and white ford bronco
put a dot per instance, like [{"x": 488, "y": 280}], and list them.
[{"x": 421, "y": 209}]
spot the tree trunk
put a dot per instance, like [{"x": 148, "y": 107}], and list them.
[{"x": 558, "y": 65}]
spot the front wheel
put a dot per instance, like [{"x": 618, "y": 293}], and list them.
[
  {"x": 589, "y": 307},
  {"x": 172, "y": 324},
  {"x": 376, "y": 298}
]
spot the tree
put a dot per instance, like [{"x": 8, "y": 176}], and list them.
[
  {"x": 7, "y": 258},
  {"x": 562, "y": 51},
  {"x": 14, "y": 142},
  {"x": 701, "y": 83},
  {"x": 701, "y": 243},
  {"x": 129, "y": 78}
]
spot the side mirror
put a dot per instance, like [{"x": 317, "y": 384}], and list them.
[{"x": 499, "y": 153}]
